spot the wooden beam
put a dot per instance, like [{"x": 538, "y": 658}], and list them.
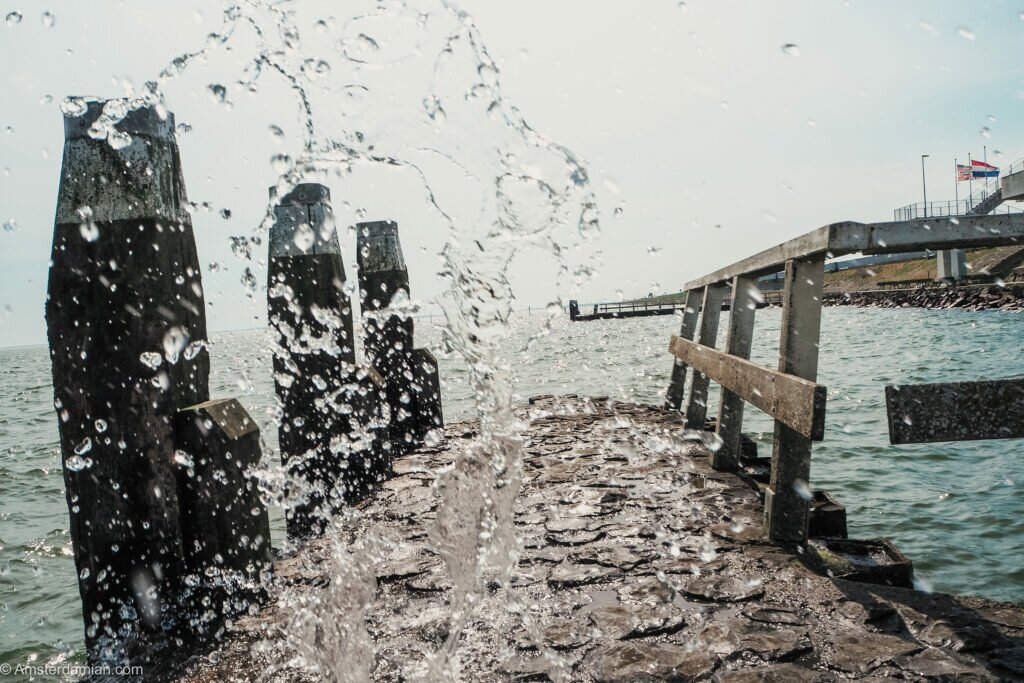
[
  {"x": 850, "y": 237},
  {"x": 956, "y": 411},
  {"x": 795, "y": 401},
  {"x": 677, "y": 385},
  {"x": 697, "y": 404},
  {"x": 787, "y": 497},
  {"x": 738, "y": 341}
]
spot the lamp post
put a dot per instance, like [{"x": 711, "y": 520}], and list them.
[{"x": 924, "y": 185}]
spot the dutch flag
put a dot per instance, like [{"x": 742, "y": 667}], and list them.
[{"x": 979, "y": 169}]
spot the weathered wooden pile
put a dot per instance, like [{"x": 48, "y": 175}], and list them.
[
  {"x": 170, "y": 534},
  {"x": 639, "y": 562}
]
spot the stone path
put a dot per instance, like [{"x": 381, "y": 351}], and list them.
[{"x": 639, "y": 563}]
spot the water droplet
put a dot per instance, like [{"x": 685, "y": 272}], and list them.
[
  {"x": 74, "y": 106},
  {"x": 77, "y": 463},
  {"x": 101, "y": 426},
  {"x": 965, "y": 33},
  {"x": 304, "y": 237},
  {"x": 174, "y": 341},
  {"x": 90, "y": 231},
  {"x": 13, "y": 18},
  {"x": 488, "y": 74},
  {"x": 249, "y": 281},
  {"x": 791, "y": 49},
  {"x": 183, "y": 458},
  {"x": 84, "y": 574},
  {"x": 48, "y": 19},
  {"x": 118, "y": 139},
  {"x": 432, "y": 105},
  {"x": 151, "y": 359},
  {"x": 193, "y": 349},
  {"x": 280, "y": 163},
  {"x": 10, "y": 226},
  {"x": 276, "y": 132},
  {"x": 985, "y": 132},
  {"x": 218, "y": 92},
  {"x": 802, "y": 490},
  {"x": 84, "y": 446},
  {"x": 225, "y": 214}
]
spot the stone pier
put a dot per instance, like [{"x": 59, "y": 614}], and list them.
[{"x": 639, "y": 562}]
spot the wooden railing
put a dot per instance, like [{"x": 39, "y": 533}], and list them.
[{"x": 790, "y": 394}]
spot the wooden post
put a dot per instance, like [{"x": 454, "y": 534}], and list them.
[
  {"x": 388, "y": 336},
  {"x": 426, "y": 389},
  {"x": 697, "y": 405},
  {"x": 574, "y": 310},
  {"x": 677, "y": 385},
  {"x": 745, "y": 296},
  {"x": 311, "y": 316},
  {"x": 787, "y": 498},
  {"x": 225, "y": 527},
  {"x": 127, "y": 331}
]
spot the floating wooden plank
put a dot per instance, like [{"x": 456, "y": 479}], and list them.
[
  {"x": 850, "y": 237},
  {"x": 796, "y": 402},
  {"x": 956, "y": 411}
]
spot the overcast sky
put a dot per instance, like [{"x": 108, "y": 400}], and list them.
[{"x": 705, "y": 139}]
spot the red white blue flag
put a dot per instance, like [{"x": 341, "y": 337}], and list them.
[{"x": 979, "y": 169}]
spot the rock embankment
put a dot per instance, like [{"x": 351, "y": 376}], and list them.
[
  {"x": 637, "y": 562},
  {"x": 972, "y": 298}
]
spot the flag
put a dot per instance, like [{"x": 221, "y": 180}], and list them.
[
  {"x": 963, "y": 172},
  {"x": 979, "y": 169}
]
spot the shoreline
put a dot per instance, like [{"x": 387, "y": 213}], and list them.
[
  {"x": 972, "y": 297},
  {"x": 627, "y": 564}
]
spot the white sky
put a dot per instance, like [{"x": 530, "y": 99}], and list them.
[{"x": 713, "y": 141}]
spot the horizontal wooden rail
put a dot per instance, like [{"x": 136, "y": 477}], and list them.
[
  {"x": 956, "y": 411},
  {"x": 797, "y": 403},
  {"x": 850, "y": 237}
]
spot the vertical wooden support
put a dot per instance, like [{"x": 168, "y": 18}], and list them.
[
  {"x": 787, "y": 498},
  {"x": 745, "y": 296},
  {"x": 574, "y": 310},
  {"x": 225, "y": 527},
  {"x": 127, "y": 330},
  {"x": 387, "y": 335},
  {"x": 697, "y": 405},
  {"x": 311, "y": 315},
  {"x": 677, "y": 386},
  {"x": 426, "y": 389}
]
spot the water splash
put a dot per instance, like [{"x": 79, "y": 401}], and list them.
[{"x": 532, "y": 194}]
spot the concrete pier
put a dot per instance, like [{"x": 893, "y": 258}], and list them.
[{"x": 639, "y": 562}]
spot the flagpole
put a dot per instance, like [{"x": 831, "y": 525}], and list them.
[
  {"x": 984, "y": 188},
  {"x": 956, "y": 184},
  {"x": 970, "y": 182}
]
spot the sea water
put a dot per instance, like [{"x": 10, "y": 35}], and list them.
[{"x": 954, "y": 508}]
